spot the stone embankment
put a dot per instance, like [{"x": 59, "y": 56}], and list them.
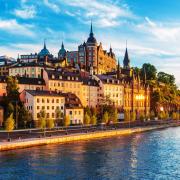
[{"x": 77, "y": 137}]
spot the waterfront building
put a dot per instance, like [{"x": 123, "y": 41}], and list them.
[{"x": 52, "y": 103}]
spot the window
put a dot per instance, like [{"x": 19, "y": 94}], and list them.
[
  {"x": 70, "y": 112},
  {"x": 53, "y": 107},
  {"x": 57, "y": 100},
  {"x": 47, "y": 100},
  {"x": 42, "y": 100},
  {"x": 62, "y": 107},
  {"x": 47, "y": 107},
  {"x": 52, "y": 100},
  {"x": 47, "y": 115},
  {"x": 52, "y": 115},
  {"x": 37, "y": 100},
  {"x": 37, "y": 107}
]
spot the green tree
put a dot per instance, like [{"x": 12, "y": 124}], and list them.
[
  {"x": 9, "y": 124},
  {"x": 42, "y": 121},
  {"x": 59, "y": 116},
  {"x": 166, "y": 78},
  {"x": 150, "y": 71},
  {"x": 93, "y": 120},
  {"x": 87, "y": 119},
  {"x": 66, "y": 121},
  {"x": 50, "y": 123},
  {"x": 24, "y": 117},
  {"x": 133, "y": 116},
  {"x": 105, "y": 118}
]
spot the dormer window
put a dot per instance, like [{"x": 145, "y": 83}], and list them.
[
  {"x": 68, "y": 77},
  {"x": 76, "y": 78},
  {"x": 53, "y": 76},
  {"x": 60, "y": 77}
]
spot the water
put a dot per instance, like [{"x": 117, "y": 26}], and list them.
[{"x": 153, "y": 155}]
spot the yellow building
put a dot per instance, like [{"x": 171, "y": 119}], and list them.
[
  {"x": 112, "y": 91},
  {"x": 33, "y": 69},
  {"x": 50, "y": 102}
]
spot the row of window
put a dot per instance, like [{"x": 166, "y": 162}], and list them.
[
  {"x": 49, "y": 107},
  {"x": 50, "y": 100}
]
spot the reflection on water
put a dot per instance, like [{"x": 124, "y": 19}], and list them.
[{"x": 152, "y": 155}]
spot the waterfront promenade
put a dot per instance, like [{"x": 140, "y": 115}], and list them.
[{"x": 75, "y": 134}]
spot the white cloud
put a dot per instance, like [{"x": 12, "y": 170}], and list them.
[
  {"x": 13, "y": 27},
  {"x": 162, "y": 31},
  {"x": 52, "y": 6},
  {"x": 26, "y": 12},
  {"x": 103, "y": 13}
]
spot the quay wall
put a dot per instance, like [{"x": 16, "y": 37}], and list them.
[{"x": 76, "y": 137}]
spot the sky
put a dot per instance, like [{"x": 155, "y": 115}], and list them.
[{"x": 150, "y": 27}]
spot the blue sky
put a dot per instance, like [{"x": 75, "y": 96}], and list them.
[{"x": 151, "y": 27}]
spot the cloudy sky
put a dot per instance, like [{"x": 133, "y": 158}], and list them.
[{"x": 151, "y": 28}]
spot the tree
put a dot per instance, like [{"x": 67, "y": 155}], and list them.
[
  {"x": 152, "y": 115},
  {"x": 87, "y": 119},
  {"x": 93, "y": 120},
  {"x": 127, "y": 116},
  {"x": 42, "y": 121},
  {"x": 87, "y": 110},
  {"x": 59, "y": 116},
  {"x": 150, "y": 71},
  {"x": 9, "y": 124},
  {"x": 141, "y": 117},
  {"x": 66, "y": 121},
  {"x": 105, "y": 118},
  {"x": 24, "y": 117},
  {"x": 174, "y": 116},
  {"x": 166, "y": 78},
  {"x": 133, "y": 116},
  {"x": 10, "y": 109},
  {"x": 115, "y": 116},
  {"x": 50, "y": 123}
]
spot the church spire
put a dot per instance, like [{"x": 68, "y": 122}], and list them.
[
  {"x": 44, "y": 43},
  {"x": 126, "y": 61},
  {"x": 118, "y": 70},
  {"x": 91, "y": 31},
  {"x": 91, "y": 39},
  {"x": 62, "y": 45}
]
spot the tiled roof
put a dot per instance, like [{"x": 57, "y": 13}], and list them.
[
  {"x": 25, "y": 80},
  {"x": 44, "y": 93}
]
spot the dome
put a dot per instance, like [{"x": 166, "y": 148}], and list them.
[
  {"x": 62, "y": 52},
  {"x": 44, "y": 51}
]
